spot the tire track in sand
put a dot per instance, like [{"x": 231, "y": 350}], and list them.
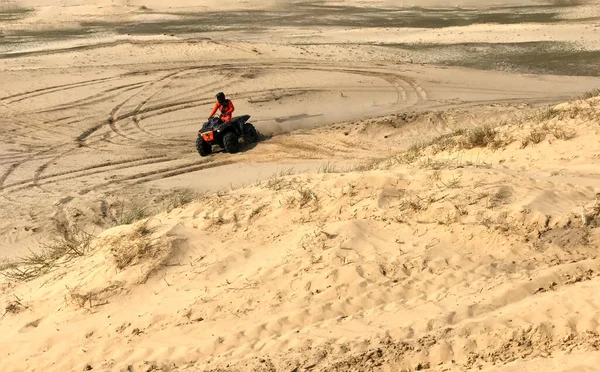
[
  {"x": 159, "y": 174},
  {"x": 114, "y": 118},
  {"x": 86, "y": 172},
  {"x": 52, "y": 89},
  {"x": 161, "y": 109},
  {"x": 95, "y": 98}
]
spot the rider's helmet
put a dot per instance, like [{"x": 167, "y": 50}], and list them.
[{"x": 221, "y": 97}]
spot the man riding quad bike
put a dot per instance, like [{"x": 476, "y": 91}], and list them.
[{"x": 225, "y": 130}]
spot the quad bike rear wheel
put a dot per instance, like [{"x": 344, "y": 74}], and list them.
[
  {"x": 250, "y": 134},
  {"x": 230, "y": 143},
  {"x": 204, "y": 149}
]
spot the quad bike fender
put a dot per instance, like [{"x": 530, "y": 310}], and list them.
[
  {"x": 208, "y": 136},
  {"x": 240, "y": 121},
  {"x": 243, "y": 119}
]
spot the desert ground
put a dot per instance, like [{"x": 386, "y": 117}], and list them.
[{"x": 424, "y": 195}]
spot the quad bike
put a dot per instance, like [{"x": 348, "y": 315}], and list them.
[{"x": 227, "y": 135}]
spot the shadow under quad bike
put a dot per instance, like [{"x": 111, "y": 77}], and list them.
[{"x": 227, "y": 135}]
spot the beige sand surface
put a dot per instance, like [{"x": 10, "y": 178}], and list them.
[
  {"x": 344, "y": 240},
  {"x": 447, "y": 259}
]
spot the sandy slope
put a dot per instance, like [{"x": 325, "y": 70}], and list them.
[
  {"x": 81, "y": 137},
  {"x": 320, "y": 248},
  {"x": 79, "y": 134},
  {"x": 448, "y": 260}
]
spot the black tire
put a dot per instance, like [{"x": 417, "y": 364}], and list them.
[
  {"x": 250, "y": 133},
  {"x": 204, "y": 149},
  {"x": 230, "y": 143}
]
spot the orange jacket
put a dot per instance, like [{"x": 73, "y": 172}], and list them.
[{"x": 226, "y": 109}]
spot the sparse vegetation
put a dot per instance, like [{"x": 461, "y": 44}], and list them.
[
  {"x": 413, "y": 153},
  {"x": 452, "y": 183},
  {"x": 286, "y": 172},
  {"x": 306, "y": 196},
  {"x": 132, "y": 247},
  {"x": 480, "y": 137},
  {"x": 415, "y": 204},
  {"x": 135, "y": 213},
  {"x": 69, "y": 243},
  {"x": 91, "y": 298},
  {"x": 591, "y": 94},
  {"x": 428, "y": 163},
  {"x": 446, "y": 142},
  {"x": 544, "y": 114},
  {"x": 328, "y": 168},
  {"x": 14, "y": 306},
  {"x": 181, "y": 198},
  {"x": 368, "y": 165},
  {"x": 562, "y": 133},
  {"x": 539, "y": 134},
  {"x": 256, "y": 211},
  {"x": 6, "y": 264},
  {"x": 274, "y": 183},
  {"x": 460, "y": 139},
  {"x": 536, "y": 136}
]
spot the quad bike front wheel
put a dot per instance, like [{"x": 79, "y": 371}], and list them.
[
  {"x": 250, "y": 133},
  {"x": 204, "y": 149},
  {"x": 230, "y": 143}
]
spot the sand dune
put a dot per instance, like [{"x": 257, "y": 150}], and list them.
[
  {"x": 424, "y": 196},
  {"x": 442, "y": 258}
]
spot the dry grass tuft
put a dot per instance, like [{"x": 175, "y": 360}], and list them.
[
  {"x": 140, "y": 248},
  {"x": 591, "y": 94},
  {"x": 277, "y": 181},
  {"x": 435, "y": 180},
  {"x": 181, "y": 198},
  {"x": 484, "y": 136},
  {"x": 274, "y": 183},
  {"x": 6, "y": 264},
  {"x": 536, "y": 136},
  {"x": 414, "y": 204},
  {"x": 286, "y": 172},
  {"x": 135, "y": 213},
  {"x": 69, "y": 243},
  {"x": 544, "y": 114},
  {"x": 480, "y": 137},
  {"x": 328, "y": 168},
  {"x": 14, "y": 306},
  {"x": 413, "y": 153},
  {"x": 306, "y": 196},
  {"x": 428, "y": 163},
  {"x": 369, "y": 164},
  {"x": 130, "y": 249},
  {"x": 256, "y": 211},
  {"x": 91, "y": 298},
  {"x": 562, "y": 133}
]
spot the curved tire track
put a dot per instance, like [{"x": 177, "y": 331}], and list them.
[
  {"x": 144, "y": 109},
  {"x": 56, "y": 88},
  {"x": 159, "y": 174},
  {"x": 93, "y": 170}
]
